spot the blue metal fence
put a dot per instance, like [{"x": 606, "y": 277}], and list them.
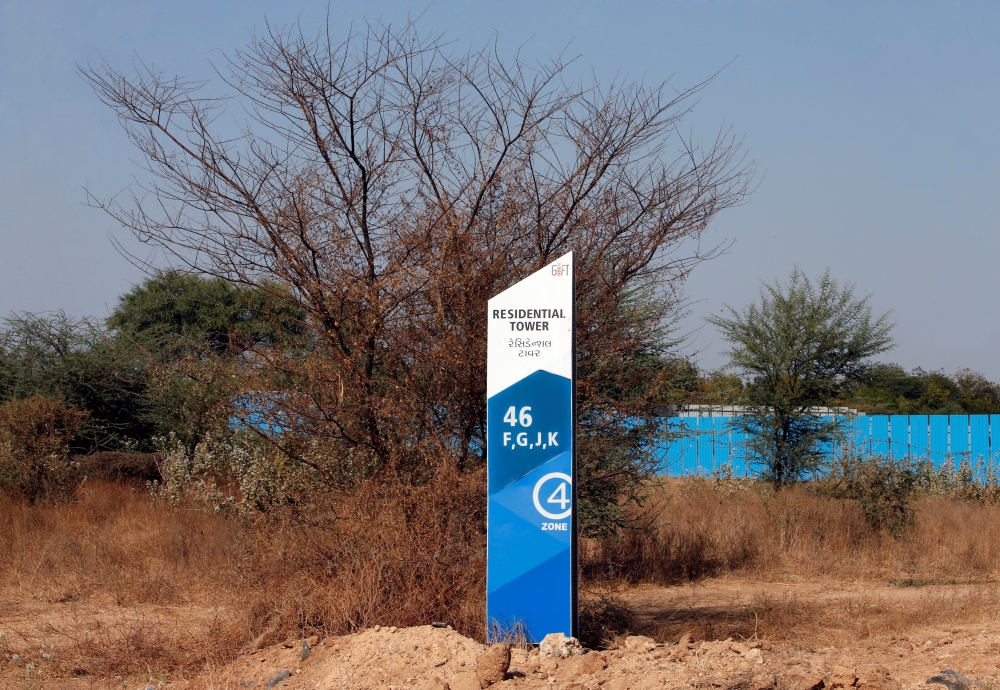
[{"x": 708, "y": 443}]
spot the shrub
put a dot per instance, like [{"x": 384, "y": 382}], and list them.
[
  {"x": 35, "y": 434},
  {"x": 884, "y": 489},
  {"x": 233, "y": 473},
  {"x": 972, "y": 480}
]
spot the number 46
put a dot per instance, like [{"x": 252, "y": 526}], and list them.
[{"x": 524, "y": 417}]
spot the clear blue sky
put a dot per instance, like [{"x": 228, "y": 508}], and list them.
[{"x": 875, "y": 127}]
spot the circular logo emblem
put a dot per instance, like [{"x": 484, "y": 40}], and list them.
[{"x": 561, "y": 497}]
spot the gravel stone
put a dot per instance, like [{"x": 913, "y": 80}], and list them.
[{"x": 283, "y": 674}]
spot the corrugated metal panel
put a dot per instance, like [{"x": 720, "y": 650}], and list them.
[
  {"x": 721, "y": 443},
  {"x": 899, "y": 436},
  {"x": 979, "y": 432},
  {"x": 830, "y": 449},
  {"x": 709, "y": 442},
  {"x": 939, "y": 438},
  {"x": 706, "y": 443},
  {"x": 920, "y": 445},
  {"x": 689, "y": 464},
  {"x": 995, "y": 436},
  {"x": 675, "y": 449},
  {"x": 880, "y": 435},
  {"x": 959, "y": 436},
  {"x": 861, "y": 429},
  {"x": 740, "y": 454}
]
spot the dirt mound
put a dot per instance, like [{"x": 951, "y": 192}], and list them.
[
  {"x": 437, "y": 658},
  {"x": 432, "y": 658},
  {"x": 379, "y": 657}
]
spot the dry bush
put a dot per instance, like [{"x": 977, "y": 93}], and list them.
[
  {"x": 35, "y": 434},
  {"x": 129, "y": 643},
  {"x": 604, "y": 615},
  {"x": 386, "y": 554},
  {"x": 884, "y": 488},
  {"x": 113, "y": 466},
  {"x": 385, "y": 187}
]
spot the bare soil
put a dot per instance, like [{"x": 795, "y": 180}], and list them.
[
  {"x": 750, "y": 635},
  {"x": 427, "y": 657}
]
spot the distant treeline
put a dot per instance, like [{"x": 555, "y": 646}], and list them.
[
  {"x": 890, "y": 389},
  {"x": 164, "y": 362},
  {"x": 884, "y": 389}
]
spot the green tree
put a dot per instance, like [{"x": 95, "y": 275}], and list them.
[
  {"x": 75, "y": 362},
  {"x": 620, "y": 395},
  {"x": 172, "y": 314},
  {"x": 168, "y": 359},
  {"x": 189, "y": 333},
  {"x": 719, "y": 388},
  {"x": 977, "y": 394},
  {"x": 796, "y": 347}
]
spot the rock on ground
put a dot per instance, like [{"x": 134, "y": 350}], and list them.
[
  {"x": 558, "y": 645},
  {"x": 492, "y": 665}
]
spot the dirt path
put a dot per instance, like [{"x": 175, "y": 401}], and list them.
[
  {"x": 914, "y": 632},
  {"x": 728, "y": 593},
  {"x": 809, "y": 613}
]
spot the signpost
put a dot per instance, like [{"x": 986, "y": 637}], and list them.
[{"x": 531, "y": 458}]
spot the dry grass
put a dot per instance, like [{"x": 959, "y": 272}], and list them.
[
  {"x": 385, "y": 555},
  {"x": 114, "y": 540},
  {"x": 98, "y": 576},
  {"x": 940, "y": 573},
  {"x": 842, "y": 619},
  {"x": 88, "y": 577},
  {"x": 123, "y": 584},
  {"x": 700, "y": 528}
]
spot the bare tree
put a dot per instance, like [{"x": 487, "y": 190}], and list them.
[{"x": 393, "y": 187}]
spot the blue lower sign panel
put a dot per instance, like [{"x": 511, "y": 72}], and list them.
[{"x": 530, "y": 583}]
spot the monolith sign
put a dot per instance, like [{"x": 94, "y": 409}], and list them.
[{"x": 530, "y": 377}]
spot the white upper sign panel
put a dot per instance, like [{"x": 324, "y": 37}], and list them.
[{"x": 531, "y": 327}]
